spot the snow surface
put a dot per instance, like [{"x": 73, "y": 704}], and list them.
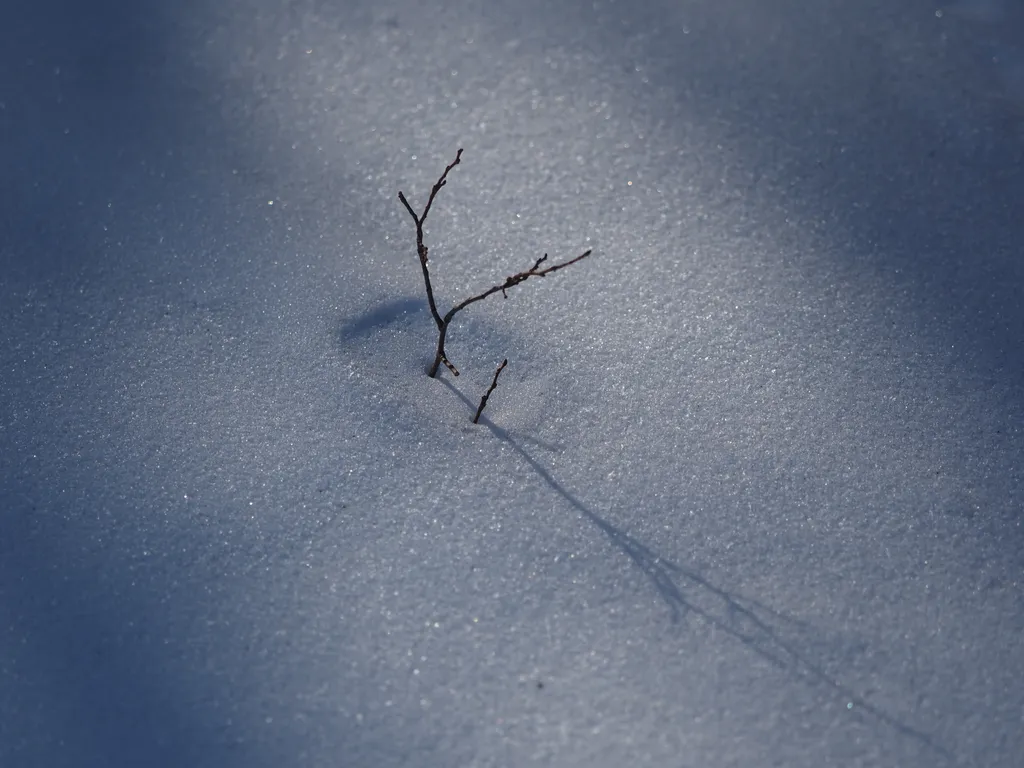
[{"x": 749, "y": 493}]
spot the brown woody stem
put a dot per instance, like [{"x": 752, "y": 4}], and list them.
[
  {"x": 487, "y": 394},
  {"x": 510, "y": 282}
]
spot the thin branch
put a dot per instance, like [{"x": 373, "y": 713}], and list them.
[
  {"x": 514, "y": 280},
  {"x": 531, "y": 270},
  {"x": 422, "y": 251},
  {"x": 421, "y": 248},
  {"x": 487, "y": 394},
  {"x": 440, "y": 183},
  {"x": 421, "y": 219},
  {"x": 408, "y": 207},
  {"x": 510, "y": 282}
]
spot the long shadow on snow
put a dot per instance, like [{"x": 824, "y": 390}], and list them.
[{"x": 686, "y": 592}]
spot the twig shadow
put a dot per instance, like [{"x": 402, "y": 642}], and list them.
[
  {"x": 379, "y": 316},
  {"x": 542, "y": 444},
  {"x": 685, "y": 592}
]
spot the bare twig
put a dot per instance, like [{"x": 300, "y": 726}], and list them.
[
  {"x": 487, "y": 394},
  {"x": 510, "y": 282},
  {"x": 422, "y": 249},
  {"x": 514, "y": 280}
]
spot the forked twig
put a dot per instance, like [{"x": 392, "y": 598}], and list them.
[
  {"x": 487, "y": 394},
  {"x": 422, "y": 250}
]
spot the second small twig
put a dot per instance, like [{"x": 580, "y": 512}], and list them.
[{"x": 487, "y": 394}]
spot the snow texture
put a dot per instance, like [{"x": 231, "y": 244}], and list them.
[{"x": 749, "y": 492}]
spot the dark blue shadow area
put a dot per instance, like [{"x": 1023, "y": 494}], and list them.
[
  {"x": 882, "y": 129},
  {"x": 130, "y": 642},
  {"x": 116, "y": 650},
  {"x": 89, "y": 670},
  {"x": 93, "y": 100},
  {"x": 84, "y": 90}
]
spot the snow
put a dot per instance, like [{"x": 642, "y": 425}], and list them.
[{"x": 748, "y": 493}]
